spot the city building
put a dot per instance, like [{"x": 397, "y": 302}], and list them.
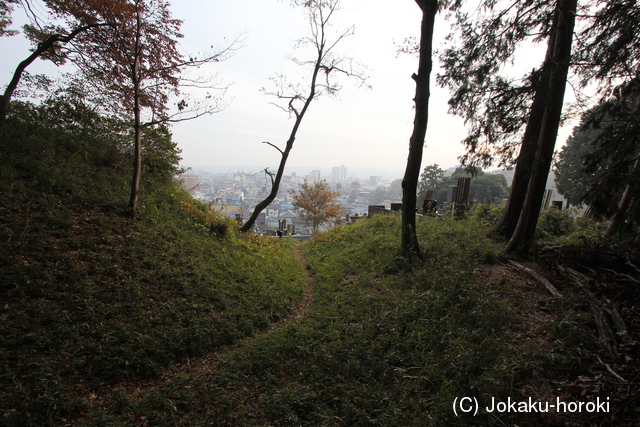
[
  {"x": 375, "y": 181},
  {"x": 189, "y": 181},
  {"x": 339, "y": 174}
]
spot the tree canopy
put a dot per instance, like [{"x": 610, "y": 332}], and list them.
[
  {"x": 432, "y": 178},
  {"x": 600, "y": 163},
  {"x": 6, "y": 7},
  {"x": 571, "y": 179}
]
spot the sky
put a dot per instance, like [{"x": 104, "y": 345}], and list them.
[{"x": 362, "y": 128}]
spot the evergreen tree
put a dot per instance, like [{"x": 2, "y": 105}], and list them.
[
  {"x": 615, "y": 160},
  {"x": 502, "y": 110},
  {"x": 483, "y": 186},
  {"x": 432, "y": 178},
  {"x": 571, "y": 179}
]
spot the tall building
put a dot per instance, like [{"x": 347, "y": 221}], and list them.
[
  {"x": 375, "y": 181},
  {"x": 189, "y": 181},
  {"x": 339, "y": 174}
]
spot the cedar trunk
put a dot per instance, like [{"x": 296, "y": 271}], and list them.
[
  {"x": 524, "y": 164},
  {"x": 559, "y": 55},
  {"x": 416, "y": 142}
]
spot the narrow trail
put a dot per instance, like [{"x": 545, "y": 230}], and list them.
[
  {"x": 301, "y": 309},
  {"x": 106, "y": 395}
]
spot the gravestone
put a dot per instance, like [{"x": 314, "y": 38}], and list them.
[{"x": 462, "y": 197}]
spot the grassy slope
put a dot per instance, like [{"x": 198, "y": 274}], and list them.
[
  {"x": 379, "y": 347},
  {"x": 96, "y": 307},
  {"x": 382, "y": 346},
  {"x": 92, "y": 297}
]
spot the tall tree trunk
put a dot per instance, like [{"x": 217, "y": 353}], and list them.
[
  {"x": 416, "y": 142},
  {"x": 524, "y": 164},
  {"x": 137, "y": 153},
  {"x": 559, "y": 61},
  {"x": 137, "y": 124}
]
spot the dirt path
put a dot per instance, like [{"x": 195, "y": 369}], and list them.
[{"x": 301, "y": 309}]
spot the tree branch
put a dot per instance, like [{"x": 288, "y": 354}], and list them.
[{"x": 274, "y": 146}]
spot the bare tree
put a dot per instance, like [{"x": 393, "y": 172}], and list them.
[{"x": 296, "y": 99}]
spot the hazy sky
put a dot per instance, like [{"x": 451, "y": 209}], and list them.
[{"x": 362, "y": 128}]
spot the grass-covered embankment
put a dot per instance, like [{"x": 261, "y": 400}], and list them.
[
  {"x": 90, "y": 297},
  {"x": 380, "y": 346},
  {"x": 110, "y": 321}
]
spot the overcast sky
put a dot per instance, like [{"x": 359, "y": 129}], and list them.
[{"x": 362, "y": 128}]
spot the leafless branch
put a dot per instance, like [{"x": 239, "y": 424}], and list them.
[{"x": 274, "y": 146}]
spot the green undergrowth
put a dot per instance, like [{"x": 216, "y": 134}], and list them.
[
  {"x": 554, "y": 225},
  {"x": 92, "y": 298},
  {"x": 380, "y": 346}
]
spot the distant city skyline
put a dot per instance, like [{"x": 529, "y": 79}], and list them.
[
  {"x": 322, "y": 172},
  {"x": 362, "y": 174}
]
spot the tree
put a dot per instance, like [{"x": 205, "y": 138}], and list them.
[
  {"x": 610, "y": 54},
  {"x": 615, "y": 159},
  {"x": 6, "y": 7},
  {"x": 135, "y": 58},
  {"x": 599, "y": 164},
  {"x": 323, "y": 67},
  {"x": 609, "y": 46},
  {"x": 432, "y": 178},
  {"x": 558, "y": 60},
  {"x": 504, "y": 113},
  {"x": 571, "y": 179},
  {"x": 394, "y": 191},
  {"x": 316, "y": 202},
  {"x": 494, "y": 106},
  {"x": 409, "y": 241},
  {"x": 606, "y": 54},
  {"x": 379, "y": 195},
  {"x": 48, "y": 46}
]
